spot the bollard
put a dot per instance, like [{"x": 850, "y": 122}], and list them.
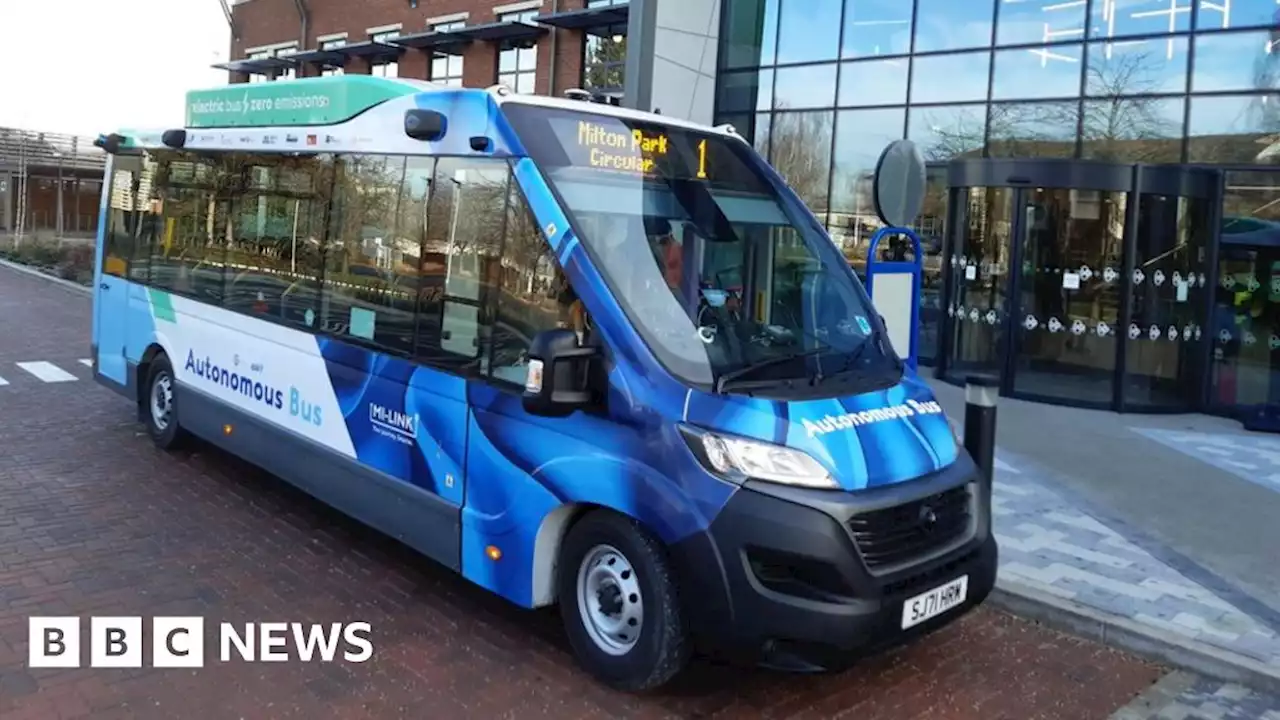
[{"x": 980, "y": 393}]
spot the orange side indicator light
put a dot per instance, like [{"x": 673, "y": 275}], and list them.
[
  {"x": 226, "y": 429},
  {"x": 493, "y": 552}
]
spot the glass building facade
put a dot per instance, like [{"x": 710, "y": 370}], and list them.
[{"x": 1102, "y": 226}]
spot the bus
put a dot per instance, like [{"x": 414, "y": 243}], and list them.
[{"x": 582, "y": 355}]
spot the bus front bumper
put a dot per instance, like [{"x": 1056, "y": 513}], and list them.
[{"x": 778, "y": 579}]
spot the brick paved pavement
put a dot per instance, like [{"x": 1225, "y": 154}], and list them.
[
  {"x": 94, "y": 521},
  {"x": 1057, "y": 546}
]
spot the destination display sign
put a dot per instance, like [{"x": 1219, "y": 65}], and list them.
[
  {"x": 634, "y": 151},
  {"x": 625, "y": 147}
]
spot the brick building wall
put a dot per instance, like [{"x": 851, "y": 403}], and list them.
[{"x": 270, "y": 22}]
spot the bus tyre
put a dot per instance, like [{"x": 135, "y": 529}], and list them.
[
  {"x": 618, "y": 599},
  {"x": 160, "y": 405}
]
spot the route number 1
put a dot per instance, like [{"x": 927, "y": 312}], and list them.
[{"x": 702, "y": 160}]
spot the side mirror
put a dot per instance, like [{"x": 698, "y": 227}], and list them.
[{"x": 558, "y": 380}]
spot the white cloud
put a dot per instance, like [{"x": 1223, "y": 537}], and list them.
[{"x": 88, "y": 66}]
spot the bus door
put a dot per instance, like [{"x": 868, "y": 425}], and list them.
[{"x": 119, "y": 232}]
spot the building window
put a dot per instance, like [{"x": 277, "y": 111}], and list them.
[
  {"x": 604, "y": 56},
  {"x": 291, "y": 73},
  {"x": 256, "y": 77},
  {"x": 331, "y": 45},
  {"x": 518, "y": 59},
  {"x": 385, "y": 68},
  {"x": 447, "y": 69},
  {"x": 288, "y": 74}
]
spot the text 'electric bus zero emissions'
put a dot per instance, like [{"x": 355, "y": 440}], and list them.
[{"x": 579, "y": 354}]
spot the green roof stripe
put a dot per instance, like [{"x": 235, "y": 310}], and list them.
[{"x": 308, "y": 101}]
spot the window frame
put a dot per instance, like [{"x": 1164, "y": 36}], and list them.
[
  {"x": 489, "y": 304},
  {"x": 516, "y": 46},
  {"x": 434, "y": 56}
]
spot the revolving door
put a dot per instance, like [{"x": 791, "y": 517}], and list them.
[{"x": 1081, "y": 283}]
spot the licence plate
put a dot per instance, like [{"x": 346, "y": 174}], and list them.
[{"x": 934, "y": 602}]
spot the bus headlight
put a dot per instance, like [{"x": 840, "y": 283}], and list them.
[{"x": 735, "y": 457}]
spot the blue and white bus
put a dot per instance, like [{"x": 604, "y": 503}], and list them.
[{"x": 580, "y": 354}]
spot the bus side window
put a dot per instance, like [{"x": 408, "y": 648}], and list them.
[
  {"x": 463, "y": 244},
  {"x": 525, "y": 308},
  {"x": 122, "y": 218}
]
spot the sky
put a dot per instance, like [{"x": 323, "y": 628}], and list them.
[{"x": 103, "y": 66}]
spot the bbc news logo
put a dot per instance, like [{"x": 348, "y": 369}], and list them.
[{"x": 179, "y": 642}]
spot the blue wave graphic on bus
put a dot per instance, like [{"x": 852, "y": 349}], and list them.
[
  {"x": 404, "y": 420},
  {"x": 867, "y": 440}
]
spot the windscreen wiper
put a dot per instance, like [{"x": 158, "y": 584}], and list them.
[
  {"x": 728, "y": 377},
  {"x": 876, "y": 337}
]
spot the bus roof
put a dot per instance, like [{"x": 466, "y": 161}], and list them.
[{"x": 343, "y": 113}]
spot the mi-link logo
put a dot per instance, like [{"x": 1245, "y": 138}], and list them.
[
  {"x": 178, "y": 642},
  {"x": 393, "y": 424}
]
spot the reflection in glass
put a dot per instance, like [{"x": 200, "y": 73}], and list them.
[
  {"x": 1037, "y": 73},
  {"x": 1245, "y": 327},
  {"x": 750, "y": 30},
  {"x": 605, "y": 62},
  {"x": 1121, "y": 18},
  {"x": 873, "y": 82},
  {"x": 876, "y": 27},
  {"x": 1235, "y": 61},
  {"x": 372, "y": 274},
  {"x": 809, "y": 31},
  {"x": 1236, "y": 14},
  {"x": 1033, "y": 130},
  {"x": 943, "y": 133},
  {"x": 760, "y": 135},
  {"x": 1234, "y": 129},
  {"x": 1039, "y": 21},
  {"x": 950, "y": 78},
  {"x": 1136, "y": 67},
  {"x": 980, "y": 261},
  {"x": 1135, "y": 129},
  {"x": 746, "y": 91},
  {"x": 951, "y": 25},
  {"x": 1163, "y": 363},
  {"x": 800, "y": 150},
  {"x": 930, "y": 225},
  {"x": 1066, "y": 318},
  {"x": 806, "y": 86},
  {"x": 861, "y": 135}
]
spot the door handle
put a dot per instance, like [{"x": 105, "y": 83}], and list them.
[{"x": 104, "y": 286}]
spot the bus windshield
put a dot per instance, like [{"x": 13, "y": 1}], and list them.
[{"x": 728, "y": 285}]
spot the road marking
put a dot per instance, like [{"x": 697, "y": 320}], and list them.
[
  {"x": 3, "y": 382},
  {"x": 87, "y": 362},
  {"x": 47, "y": 371}
]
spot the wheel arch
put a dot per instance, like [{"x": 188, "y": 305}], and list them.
[
  {"x": 143, "y": 370},
  {"x": 546, "y": 548}
]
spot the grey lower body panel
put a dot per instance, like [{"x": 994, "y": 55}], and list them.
[{"x": 420, "y": 519}]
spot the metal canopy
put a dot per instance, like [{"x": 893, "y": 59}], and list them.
[
  {"x": 372, "y": 50},
  {"x": 502, "y": 30},
  {"x": 605, "y": 21},
  {"x": 449, "y": 43},
  {"x": 327, "y": 58},
  {"x": 258, "y": 66}
]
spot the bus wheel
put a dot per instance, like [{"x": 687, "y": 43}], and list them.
[
  {"x": 618, "y": 599},
  {"x": 161, "y": 407}
]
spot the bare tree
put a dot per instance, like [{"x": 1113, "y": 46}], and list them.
[
  {"x": 1119, "y": 126},
  {"x": 800, "y": 149}
]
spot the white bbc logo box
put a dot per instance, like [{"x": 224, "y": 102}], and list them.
[
  {"x": 115, "y": 642},
  {"x": 179, "y": 642}
]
